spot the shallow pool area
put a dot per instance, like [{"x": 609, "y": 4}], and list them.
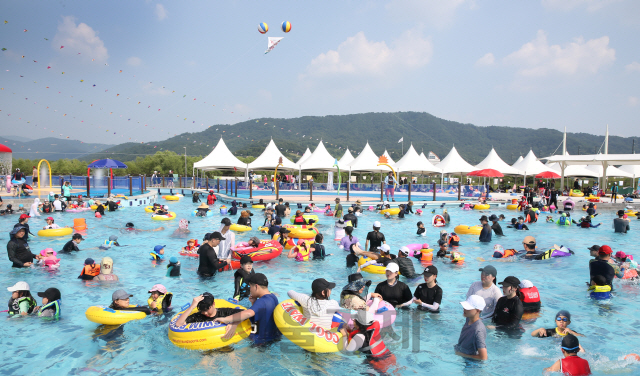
[{"x": 424, "y": 341}]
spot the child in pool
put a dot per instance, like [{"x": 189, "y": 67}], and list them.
[
  {"x": 49, "y": 259},
  {"x": 241, "y": 278},
  {"x": 599, "y": 289},
  {"x": 21, "y": 302},
  {"x": 160, "y": 299},
  {"x": 192, "y": 246},
  {"x": 173, "y": 269},
  {"x": 157, "y": 253},
  {"x": 120, "y": 301},
  {"x": 563, "y": 319},
  {"x": 550, "y": 219},
  {"x": 50, "y": 303},
  {"x": 207, "y": 311},
  {"x": 421, "y": 230}
]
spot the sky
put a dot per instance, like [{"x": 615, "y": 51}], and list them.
[{"x": 143, "y": 71}]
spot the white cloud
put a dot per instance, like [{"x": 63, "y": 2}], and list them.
[
  {"x": 487, "y": 59},
  {"x": 151, "y": 89},
  {"x": 634, "y": 101},
  {"x": 539, "y": 59},
  {"x": 633, "y": 67},
  {"x": 134, "y": 61},
  {"x": 79, "y": 40},
  {"x": 567, "y": 5},
  {"x": 438, "y": 13},
  {"x": 161, "y": 12},
  {"x": 359, "y": 57}
]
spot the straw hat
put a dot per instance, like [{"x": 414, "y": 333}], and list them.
[{"x": 203, "y": 206}]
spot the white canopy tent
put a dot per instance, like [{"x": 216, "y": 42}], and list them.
[
  {"x": 220, "y": 158},
  {"x": 269, "y": 158},
  {"x": 306, "y": 155},
  {"x": 633, "y": 170},
  {"x": 321, "y": 160},
  {"x": 386, "y": 154},
  {"x": 454, "y": 164},
  {"x": 572, "y": 171},
  {"x": 611, "y": 171},
  {"x": 366, "y": 161},
  {"x": 347, "y": 158},
  {"x": 517, "y": 161},
  {"x": 412, "y": 162},
  {"x": 494, "y": 161},
  {"x": 530, "y": 165}
]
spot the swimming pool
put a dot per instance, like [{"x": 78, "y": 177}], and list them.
[{"x": 75, "y": 345}]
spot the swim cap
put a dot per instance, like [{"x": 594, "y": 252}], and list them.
[{"x": 173, "y": 260}]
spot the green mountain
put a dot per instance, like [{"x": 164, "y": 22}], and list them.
[
  {"x": 51, "y": 148},
  {"x": 382, "y": 130}
]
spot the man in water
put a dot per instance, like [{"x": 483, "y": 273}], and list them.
[
  {"x": 390, "y": 182},
  {"x": 485, "y": 234},
  {"x": 620, "y": 224}
]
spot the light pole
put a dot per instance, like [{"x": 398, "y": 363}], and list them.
[{"x": 185, "y": 162}]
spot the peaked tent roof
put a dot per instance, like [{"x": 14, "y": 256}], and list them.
[
  {"x": 454, "y": 164},
  {"x": 517, "y": 161},
  {"x": 612, "y": 171},
  {"x": 386, "y": 154},
  {"x": 220, "y": 158},
  {"x": 530, "y": 165},
  {"x": 321, "y": 160},
  {"x": 268, "y": 160},
  {"x": 574, "y": 170},
  {"x": 412, "y": 162},
  {"x": 347, "y": 158},
  {"x": 304, "y": 157},
  {"x": 494, "y": 161},
  {"x": 367, "y": 161}
]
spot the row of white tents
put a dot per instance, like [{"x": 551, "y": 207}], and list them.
[{"x": 221, "y": 158}]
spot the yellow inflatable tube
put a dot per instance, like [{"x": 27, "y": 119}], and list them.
[
  {"x": 171, "y": 198},
  {"x": 307, "y": 217},
  {"x": 303, "y": 233},
  {"x": 512, "y": 207},
  {"x": 148, "y": 209},
  {"x": 391, "y": 211},
  {"x": 207, "y": 335},
  {"x": 631, "y": 213},
  {"x": 108, "y": 316},
  {"x": 56, "y": 232},
  {"x": 164, "y": 217},
  {"x": 575, "y": 193},
  {"x": 373, "y": 269},
  {"x": 239, "y": 228},
  {"x": 289, "y": 318},
  {"x": 481, "y": 206},
  {"x": 468, "y": 230},
  {"x": 258, "y": 206}
]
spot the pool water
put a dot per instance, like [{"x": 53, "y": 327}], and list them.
[{"x": 74, "y": 345}]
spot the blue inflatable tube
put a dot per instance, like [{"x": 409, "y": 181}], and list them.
[{"x": 21, "y": 181}]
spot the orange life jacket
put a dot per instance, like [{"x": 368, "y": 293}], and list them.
[{"x": 92, "y": 270}]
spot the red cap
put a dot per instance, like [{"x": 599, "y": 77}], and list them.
[
  {"x": 605, "y": 250},
  {"x": 23, "y": 216},
  {"x": 301, "y": 242},
  {"x": 49, "y": 219}
]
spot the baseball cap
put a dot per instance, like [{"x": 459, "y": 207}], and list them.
[
  {"x": 337, "y": 199},
  {"x": 159, "y": 288},
  {"x": 529, "y": 240},
  {"x": 474, "y": 302},
  {"x": 564, "y": 313},
  {"x": 245, "y": 260},
  {"x": 393, "y": 267},
  {"x": 377, "y": 224},
  {"x": 215, "y": 235},
  {"x": 385, "y": 248},
  {"x": 605, "y": 250},
  {"x": 525, "y": 284},
  {"x": 106, "y": 265},
  {"x": 484, "y": 218},
  {"x": 120, "y": 294},
  {"x": 430, "y": 270},
  {"x": 89, "y": 261},
  {"x": 49, "y": 219},
  {"x": 19, "y": 286},
  {"x": 405, "y": 251},
  {"x": 489, "y": 270},
  {"x": 259, "y": 279},
  {"x": 157, "y": 248},
  {"x": 51, "y": 293},
  {"x": 23, "y": 216},
  {"x": 226, "y": 221},
  {"x": 621, "y": 254},
  {"x": 321, "y": 284},
  {"x": 594, "y": 248},
  {"x": 570, "y": 343},
  {"x": 510, "y": 281}
]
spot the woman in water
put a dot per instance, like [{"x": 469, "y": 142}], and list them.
[
  {"x": 120, "y": 301},
  {"x": 183, "y": 229},
  {"x": 245, "y": 218},
  {"x": 299, "y": 219},
  {"x": 348, "y": 239},
  {"x": 318, "y": 307}
]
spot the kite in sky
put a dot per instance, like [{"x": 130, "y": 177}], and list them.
[{"x": 272, "y": 43}]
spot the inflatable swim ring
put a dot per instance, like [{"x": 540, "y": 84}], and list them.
[
  {"x": 631, "y": 213},
  {"x": 148, "y": 209},
  {"x": 329, "y": 213},
  {"x": 239, "y": 228},
  {"x": 438, "y": 221},
  {"x": 373, "y": 269},
  {"x": 56, "y": 232},
  {"x": 109, "y": 316},
  {"x": 481, "y": 206},
  {"x": 468, "y": 230},
  {"x": 391, "y": 211},
  {"x": 164, "y": 217},
  {"x": 268, "y": 249},
  {"x": 171, "y": 198},
  {"x": 426, "y": 253},
  {"x": 302, "y": 232},
  {"x": 512, "y": 207},
  {"x": 576, "y": 193},
  {"x": 206, "y": 335},
  {"x": 189, "y": 253},
  {"x": 258, "y": 206},
  {"x": 307, "y": 217},
  {"x": 209, "y": 213},
  {"x": 18, "y": 182},
  {"x": 289, "y": 318}
]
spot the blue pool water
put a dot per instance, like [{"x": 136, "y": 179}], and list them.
[
  {"x": 325, "y": 195},
  {"x": 74, "y": 345}
]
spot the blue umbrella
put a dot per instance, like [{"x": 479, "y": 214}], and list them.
[{"x": 107, "y": 163}]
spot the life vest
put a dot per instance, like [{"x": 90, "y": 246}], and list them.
[
  {"x": 162, "y": 303},
  {"x": 456, "y": 257},
  {"x": 564, "y": 221},
  {"x": 156, "y": 256},
  {"x": 211, "y": 199},
  {"x": 302, "y": 253},
  {"x": 530, "y": 295},
  {"x": 630, "y": 274},
  {"x": 505, "y": 253},
  {"x": 108, "y": 243},
  {"x": 47, "y": 209},
  {"x": 532, "y": 217},
  {"x": 56, "y": 308},
  {"x": 575, "y": 366},
  {"x": 454, "y": 240},
  {"x": 600, "y": 292},
  {"x": 300, "y": 220},
  {"x": 585, "y": 224},
  {"x": 90, "y": 270},
  {"x": 14, "y": 305},
  {"x": 373, "y": 344}
]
